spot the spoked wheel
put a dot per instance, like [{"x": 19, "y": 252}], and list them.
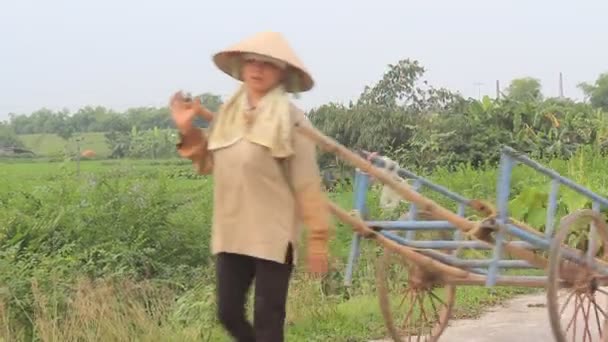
[
  {"x": 576, "y": 297},
  {"x": 416, "y": 304}
]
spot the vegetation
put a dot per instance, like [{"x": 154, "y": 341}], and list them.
[
  {"x": 597, "y": 93},
  {"x": 423, "y": 127},
  {"x": 119, "y": 250},
  {"x": 8, "y": 138},
  {"x": 401, "y": 115},
  {"x": 55, "y": 147},
  {"x": 122, "y": 251},
  {"x": 98, "y": 119}
]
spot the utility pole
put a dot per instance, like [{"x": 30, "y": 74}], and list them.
[{"x": 497, "y": 89}]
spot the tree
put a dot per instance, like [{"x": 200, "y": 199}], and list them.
[
  {"x": 65, "y": 132},
  {"x": 8, "y": 138},
  {"x": 100, "y": 119},
  {"x": 397, "y": 84},
  {"x": 597, "y": 93},
  {"x": 401, "y": 87},
  {"x": 119, "y": 143},
  {"x": 211, "y": 101},
  {"x": 525, "y": 89}
]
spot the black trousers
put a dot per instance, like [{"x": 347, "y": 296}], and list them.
[{"x": 235, "y": 275}]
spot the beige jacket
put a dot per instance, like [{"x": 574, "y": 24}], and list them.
[{"x": 260, "y": 202}]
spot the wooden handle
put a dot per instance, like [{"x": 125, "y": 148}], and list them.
[{"x": 402, "y": 189}]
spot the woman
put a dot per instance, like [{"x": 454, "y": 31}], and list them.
[{"x": 266, "y": 181}]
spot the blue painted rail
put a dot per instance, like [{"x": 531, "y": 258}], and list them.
[
  {"x": 434, "y": 270},
  {"x": 492, "y": 266}
]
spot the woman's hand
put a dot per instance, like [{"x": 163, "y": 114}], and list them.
[
  {"x": 183, "y": 111},
  {"x": 318, "y": 264}
]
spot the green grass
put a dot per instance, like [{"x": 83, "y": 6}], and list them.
[
  {"x": 119, "y": 219},
  {"x": 50, "y": 145}
]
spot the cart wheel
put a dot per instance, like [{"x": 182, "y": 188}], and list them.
[
  {"x": 577, "y": 303},
  {"x": 419, "y": 302}
]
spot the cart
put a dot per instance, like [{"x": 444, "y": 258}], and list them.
[{"x": 427, "y": 272}]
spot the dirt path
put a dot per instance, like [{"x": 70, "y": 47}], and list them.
[{"x": 523, "y": 319}]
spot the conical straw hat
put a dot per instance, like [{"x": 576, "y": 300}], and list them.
[{"x": 268, "y": 44}]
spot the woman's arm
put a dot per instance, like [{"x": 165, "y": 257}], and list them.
[
  {"x": 311, "y": 200},
  {"x": 193, "y": 146},
  {"x": 193, "y": 142}
]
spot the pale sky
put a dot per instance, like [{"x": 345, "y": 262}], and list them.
[{"x": 119, "y": 54}]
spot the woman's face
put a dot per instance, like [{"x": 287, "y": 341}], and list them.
[{"x": 261, "y": 76}]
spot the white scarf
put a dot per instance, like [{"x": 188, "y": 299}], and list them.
[{"x": 269, "y": 124}]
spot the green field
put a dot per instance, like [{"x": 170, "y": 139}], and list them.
[
  {"x": 51, "y": 145},
  {"x": 120, "y": 251}
]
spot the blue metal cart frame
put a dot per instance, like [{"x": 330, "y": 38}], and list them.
[
  {"x": 433, "y": 268},
  {"x": 491, "y": 267}
]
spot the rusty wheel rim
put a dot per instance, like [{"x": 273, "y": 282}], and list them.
[
  {"x": 576, "y": 299},
  {"x": 415, "y": 305}
]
